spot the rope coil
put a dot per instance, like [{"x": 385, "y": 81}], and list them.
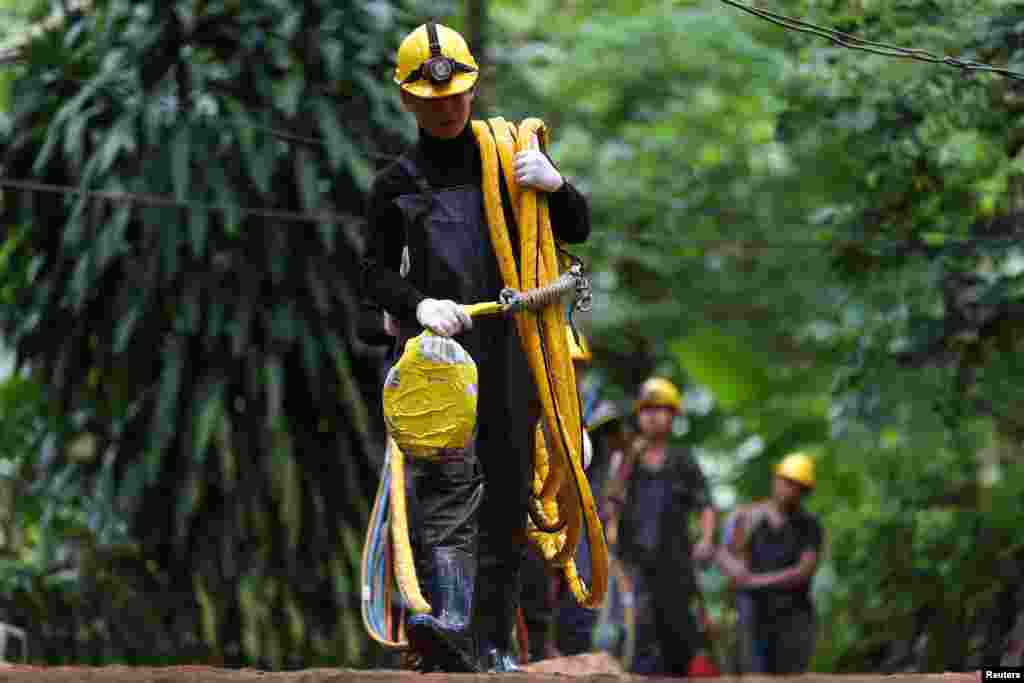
[{"x": 572, "y": 281}]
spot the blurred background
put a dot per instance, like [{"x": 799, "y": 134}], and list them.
[{"x": 822, "y": 246}]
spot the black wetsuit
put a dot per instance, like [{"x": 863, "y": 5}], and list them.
[{"x": 431, "y": 201}]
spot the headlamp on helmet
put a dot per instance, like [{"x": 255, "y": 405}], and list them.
[{"x": 438, "y": 68}]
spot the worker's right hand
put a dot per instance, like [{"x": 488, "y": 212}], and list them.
[{"x": 443, "y": 317}]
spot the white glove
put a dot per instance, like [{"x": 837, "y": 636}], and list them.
[
  {"x": 588, "y": 450},
  {"x": 533, "y": 169},
  {"x": 443, "y": 317}
]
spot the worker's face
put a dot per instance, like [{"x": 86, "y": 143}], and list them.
[
  {"x": 655, "y": 420},
  {"x": 441, "y": 117},
  {"x": 788, "y": 492}
]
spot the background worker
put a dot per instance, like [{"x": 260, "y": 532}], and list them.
[
  {"x": 652, "y": 492},
  {"x": 467, "y": 511},
  {"x": 779, "y": 544}
]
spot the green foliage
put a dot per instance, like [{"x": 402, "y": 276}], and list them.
[
  {"x": 825, "y": 241},
  {"x": 200, "y": 343}
]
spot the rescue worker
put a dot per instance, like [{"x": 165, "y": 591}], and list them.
[
  {"x": 467, "y": 512},
  {"x": 780, "y": 542},
  {"x": 653, "y": 490}
]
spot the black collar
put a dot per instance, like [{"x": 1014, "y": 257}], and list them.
[{"x": 447, "y": 151}]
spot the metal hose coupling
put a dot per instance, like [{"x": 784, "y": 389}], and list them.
[{"x": 573, "y": 281}]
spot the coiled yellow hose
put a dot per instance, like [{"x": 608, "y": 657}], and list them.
[{"x": 560, "y": 484}]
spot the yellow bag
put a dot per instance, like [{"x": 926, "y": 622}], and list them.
[{"x": 430, "y": 397}]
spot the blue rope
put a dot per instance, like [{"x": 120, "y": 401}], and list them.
[
  {"x": 374, "y": 586},
  {"x": 590, "y": 401}
]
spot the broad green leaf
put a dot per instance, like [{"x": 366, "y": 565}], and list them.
[
  {"x": 736, "y": 375},
  {"x": 307, "y": 177},
  {"x": 190, "y": 312},
  {"x": 120, "y": 139},
  {"x": 110, "y": 242},
  {"x": 75, "y": 134},
  {"x": 289, "y": 91},
  {"x": 339, "y": 147},
  {"x": 126, "y": 327},
  {"x": 181, "y": 154},
  {"x": 165, "y": 414},
  {"x": 210, "y": 407},
  {"x": 288, "y": 487},
  {"x": 198, "y": 230},
  {"x": 275, "y": 391}
]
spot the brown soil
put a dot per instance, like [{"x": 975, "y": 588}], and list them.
[{"x": 597, "y": 667}]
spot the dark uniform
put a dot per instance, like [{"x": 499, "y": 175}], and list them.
[
  {"x": 780, "y": 625},
  {"x": 655, "y": 545},
  {"x": 431, "y": 201}
]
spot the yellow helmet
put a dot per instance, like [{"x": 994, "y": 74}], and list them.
[
  {"x": 430, "y": 397},
  {"x": 434, "y": 61},
  {"x": 658, "y": 391},
  {"x": 578, "y": 352},
  {"x": 797, "y": 466}
]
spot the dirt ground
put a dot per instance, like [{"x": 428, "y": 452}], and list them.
[{"x": 596, "y": 667}]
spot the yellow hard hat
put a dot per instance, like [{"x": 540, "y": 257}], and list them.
[
  {"x": 659, "y": 392},
  {"x": 797, "y": 466},
  {"x": 579, "y": 352},
  {"x": 434, "y": 61},
  {"x": 430, "y": 397}
]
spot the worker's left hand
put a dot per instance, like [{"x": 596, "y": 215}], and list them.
[
  {"x": 703, "y": 551},
  {"x": 533, "y": 169}
]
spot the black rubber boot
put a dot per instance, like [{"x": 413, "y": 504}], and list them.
[
  {"x": 494, "y": 660},
  {"x": 444, "y": 636},
  {"x": 495, "y": 652},
  {"x": 495, "y": 620}
]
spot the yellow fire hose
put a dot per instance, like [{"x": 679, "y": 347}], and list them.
[
  {"x": 563, "y": 506},
  {"x": 564, "y": 492}
]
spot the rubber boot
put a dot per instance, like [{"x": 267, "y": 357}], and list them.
[
  {"x": 495, "y": 621},
  {"x": 444, "y": 636}
]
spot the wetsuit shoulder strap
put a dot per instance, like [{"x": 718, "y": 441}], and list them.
[{"x": 410, "y": 164}]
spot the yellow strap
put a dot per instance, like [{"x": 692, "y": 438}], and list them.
[
  {"x": 405, "y": 570},
  {"x": 485, "y": 308}
]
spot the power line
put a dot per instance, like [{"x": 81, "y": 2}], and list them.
[
  {"x": 853, "y": 42},
  {"x": 659, "y": 240},
  {"x": 169, "y": 202}
]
